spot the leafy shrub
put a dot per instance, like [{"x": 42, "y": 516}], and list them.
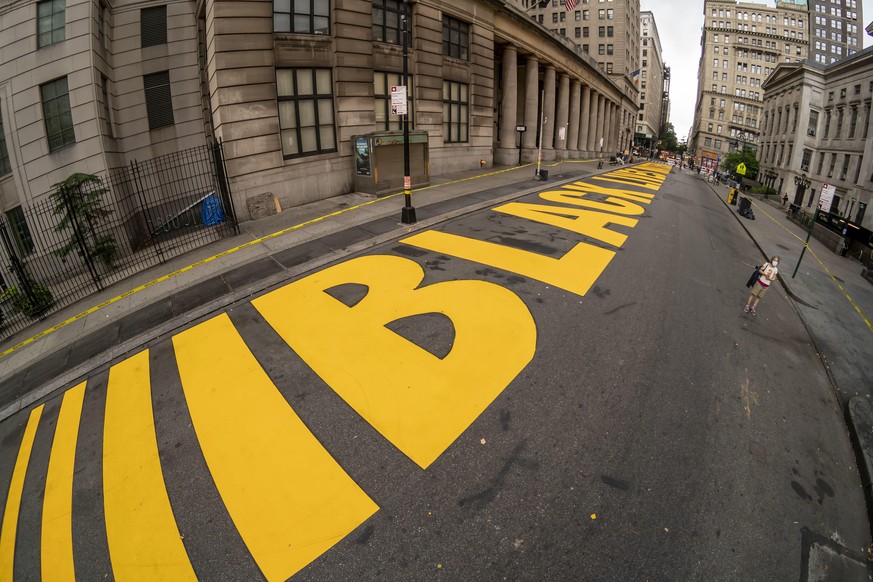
[{"x": 43, "y": 299}]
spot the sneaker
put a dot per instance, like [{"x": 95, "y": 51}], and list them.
[
  {"x": 746, "y": 309},
  {"x": 754, "y": 311}
]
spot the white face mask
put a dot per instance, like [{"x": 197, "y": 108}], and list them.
[{"x": 775, "y": 263}]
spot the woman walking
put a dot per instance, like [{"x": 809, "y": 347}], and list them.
[{"x": 767, "y": 274}]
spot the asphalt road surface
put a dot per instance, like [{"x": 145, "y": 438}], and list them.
[{"x": 561, "y": 387}]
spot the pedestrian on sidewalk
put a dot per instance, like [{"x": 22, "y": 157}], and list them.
[
  {"x": 767, "y": 274},
  {"x": 784, "y": 200}
]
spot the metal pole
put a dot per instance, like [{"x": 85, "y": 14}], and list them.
[
  {"x": 408, "y": 214},
  {"x": 542, "y": 125},
  {"x": 806, "y": 244}
]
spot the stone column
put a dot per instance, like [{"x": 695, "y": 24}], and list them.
[
  {"x": 584, "y": 119},
  {"x": 592, "y": 123},
  {"x": 610, "y": 128},
  {"x": 549, "y": 112},
  {"x": 573, "y": 131},
  {"x": 599, "y": 139},
  {"x": 531, "y": 109},
  {"x": 562, "y": 115},
  {"x": 507, "y": 153}
]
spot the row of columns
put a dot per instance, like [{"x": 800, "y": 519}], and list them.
[{"x": 578, "y": 122}]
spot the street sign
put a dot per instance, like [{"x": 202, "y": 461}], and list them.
[
  {"x": 826, "y": 197},
  {"x": 741, "y": 169},
  {"x": 521, "y": 128},
  {"x": 398, "y": 100}
]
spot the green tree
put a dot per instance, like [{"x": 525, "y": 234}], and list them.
[
  {"x": 79, "y": 202},
  {"x": 730, "y": 162},
  {"x": 669, "y": 141}
]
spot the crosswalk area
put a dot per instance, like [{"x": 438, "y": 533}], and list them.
[{"x": 190, "y": 459}]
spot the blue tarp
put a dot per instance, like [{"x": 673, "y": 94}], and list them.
[{"x": 212, "y": 213}]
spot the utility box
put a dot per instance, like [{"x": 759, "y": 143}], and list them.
[{"x": 379, "y": 161}]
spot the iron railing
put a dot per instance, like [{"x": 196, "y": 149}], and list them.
[{"x": 79, "y": 240}]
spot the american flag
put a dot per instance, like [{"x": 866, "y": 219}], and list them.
[{"x": 569, "y": 5}]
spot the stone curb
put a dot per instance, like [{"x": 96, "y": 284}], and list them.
[{"x": 859, "y": 417}]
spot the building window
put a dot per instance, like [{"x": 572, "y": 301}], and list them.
[
  {"x": 56, "y": 114},
  {"x": 839, "y": 132},
  {"x": 853, "y": 122},
  {"x": 104, "y": 95},
  {"x": 387, "y": 23},
  {"x": 159, "y": 99},
  {"x": 601, "y": 49},
  {"x": 50, "y": 22},
  {"x": 585, "y": 32},
  {"x": 304, "y": 17},
  {"x": 831, "y": 166},
  {"x": 306, "y": 118},
  {"x": 5, "y": 165},
  {"x": 455, "y": 104},
  {"x": 813, "y": 124},
  {"x": 20, "y": 230},
  {"x": 153, "y": 26},
  {"x": 610, "y": 50},
  {"x": 456, "y": 38},
  {"x": 601, "y": 31},
  {"x": 102, "y": 22},
  {"x": 845, "y": 170},
  {"x": 707, "y": 141},
  {"x": 807, "y": 158}
]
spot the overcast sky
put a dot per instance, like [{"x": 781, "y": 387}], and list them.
[{"x": 679, "y": 24}]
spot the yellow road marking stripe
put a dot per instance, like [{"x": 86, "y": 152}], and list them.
[
  {"x": 13, "y": 498},
  {"x": 144, "y": 542},
  {"x": 57, "y": 508},
  {"x": 243, "y": 246},
  {"x": 288, "y": 498},
  {"x": 848, "y": 297}
]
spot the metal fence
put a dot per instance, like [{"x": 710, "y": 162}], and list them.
[{"x": 95, "y": 231}]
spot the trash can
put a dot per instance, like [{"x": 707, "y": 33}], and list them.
[
  {"x": 732, "y": 196},
  {"x": 745, "y": 204},
  {"x": 544, "y": 175}
]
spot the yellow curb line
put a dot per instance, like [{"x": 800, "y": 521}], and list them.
[
  {"x": 253, "y": 242},
  {"x": 845, "y": 293}
]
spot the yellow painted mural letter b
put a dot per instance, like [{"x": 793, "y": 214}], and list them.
[{"x": 418, "y": 401}]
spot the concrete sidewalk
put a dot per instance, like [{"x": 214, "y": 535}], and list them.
[
  {"x": 832, "y": 297},
  {"x": 836, "y": 305},
  {"x": 81, "y": 337}
]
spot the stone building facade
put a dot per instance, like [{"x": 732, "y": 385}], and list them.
[
  {"x": 89, "y": 85},
  {"x": 608, "y": 30},
  {"x": 741, "y": 45},
  {"x": 818, "y": 126},
  {"x": 835, "y": 29},
  {"x": 651, "y": 83}
]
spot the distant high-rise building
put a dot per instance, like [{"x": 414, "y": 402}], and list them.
[
  {"x": 835, "y": 28},
  {"x": 741, "y": 45},
  {"x": 650, "y": 80},
  {"x": 609, "y": 31}
]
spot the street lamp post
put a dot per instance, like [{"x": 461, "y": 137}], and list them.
[
  {"x": 802, "y": 184},
  {"x": 408, "y": 213}
]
